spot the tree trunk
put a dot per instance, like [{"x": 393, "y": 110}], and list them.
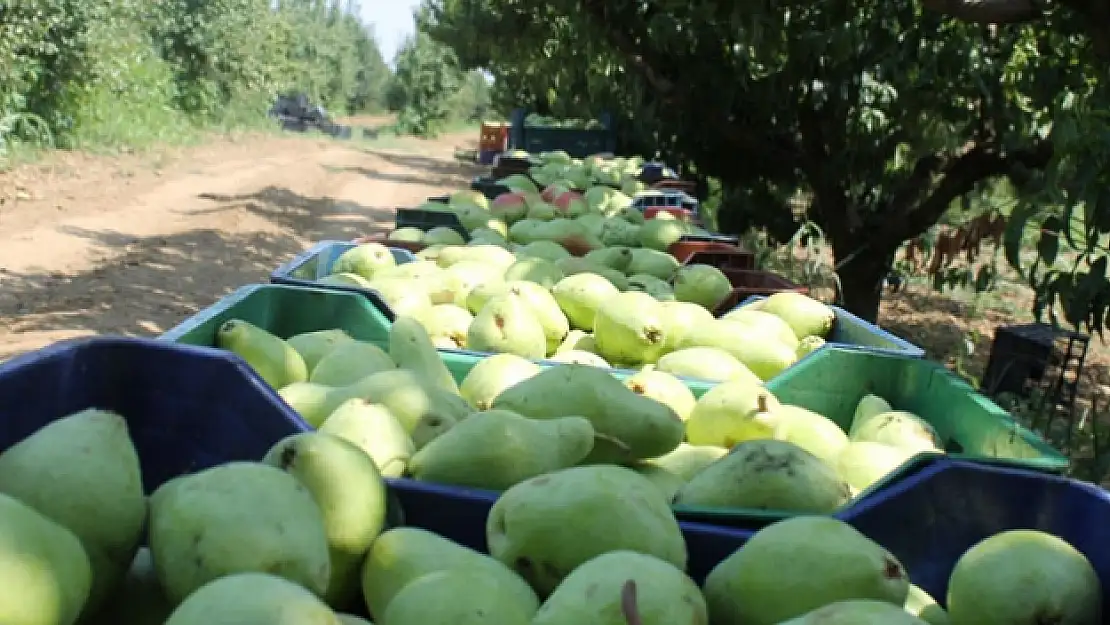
[{"x": 862, "y": 275}]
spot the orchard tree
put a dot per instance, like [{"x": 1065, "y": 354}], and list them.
[
  {"x": 884, "y": 113},
  {"x": 425, "y": 81}
]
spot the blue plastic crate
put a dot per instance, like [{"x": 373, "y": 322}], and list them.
[
  {"x": 187, "y": 408},
  {"x": 930, "y": 519},
  {"x": 460, "y": 514},
  {"x": 851, "y": 332},
  {"x": 316, "y": 263}
]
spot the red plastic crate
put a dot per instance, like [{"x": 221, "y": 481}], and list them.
[
  {"x": 719, "y": 255},
  {"x": 749, "y": 282}
]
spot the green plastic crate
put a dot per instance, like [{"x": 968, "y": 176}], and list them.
[
  {"x": 831, "y": 382},
  {"x": 287, "y": 310}
]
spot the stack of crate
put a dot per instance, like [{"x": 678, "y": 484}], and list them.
[{"x": 493, "y": 140}]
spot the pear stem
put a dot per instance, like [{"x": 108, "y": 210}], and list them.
[
  {"x": 761, "y": 403},
  {"x": 629, "y": 608}
]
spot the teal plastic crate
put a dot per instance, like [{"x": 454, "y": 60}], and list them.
[
  {"x": 317, "y": 261},
  {"x": 287, "y": 310}
]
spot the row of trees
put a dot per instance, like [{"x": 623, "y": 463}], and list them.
[
  {"x": 116, "y": 71},
  {"x": 885, "y": 113}
]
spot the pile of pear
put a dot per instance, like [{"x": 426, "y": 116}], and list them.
[
  {"x": 305, "y": 536},
  {"x": 614, "y": 307},
  {"x": 508, "y": 419}
]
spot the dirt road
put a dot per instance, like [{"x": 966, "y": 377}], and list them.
[{"x": 132, "y": 245}]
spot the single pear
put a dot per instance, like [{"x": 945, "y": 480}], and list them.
[
  {"x": 622, "y": 587},
  {"x": 706, "y": 363},
  {"x": 678, "y": 317},
  {"x": 402, "y": 296},
  {"x": 365, "y": 260},
  {"x": 67, "y": 470},
  {"x": 312, "y": 402},
  {"x": 425, "y": 411},
  {"x": 731, "y": 412},
  {"x": 581, "y": 295},
  {"x": 897, "y": 428},
  {"x": 345, "y": 279},
  {"x": 455, "y": 597},
  {"x": 920, "y": 604},
  {"x": 273, "y": 359},
  {"x": 629, "y": 426},
  {"x": 139, "y": 599},
  {"x": 615, "y": 257},
  {"x": 663, "y": 388},
  {"x": 805, "y": 315},
  {"x": 496, "y": 449},
  {"x": 766, "y": 475},
  {"x": 688, "y": 460},
  {"x": 869, "y": 405},
  {"x": 630, "y": 328},
  {"x": 349, "y": 363},
  {"x": 492, "y": 375},
  {"x": 862, "y": 463},
  {"x": 813, "y": 432},
  {"x": 45, "y": 575},
  {"x": 412, "y": 349},
  {"x": 346, "y": 485},
  {"x": 1024, "y": 577},
  {"x": 538, "y": 270},
  {"x": 857, "y": 612},
  {"x": 808, "y": 345},
  {"x": 236, "y": 518},
  {"x": 549, "y": 525},
  {"x": 801, "y": 564},
  {"x": 402, "y": 555},
  {"x": 373, "y": 429},
  {"x": 446, "y": 325},
  {"x": 579, "y": 357},
  {"x": 252, "y": 598},
  {"x": 483, "y": 293},
  {"x": 313, "y": 346},
  {"x": 506, "y": 324},
  {"x": 765, "y": 355},
  {"x": 545, "y": 309},
  {"x": 764, "y": 322}
]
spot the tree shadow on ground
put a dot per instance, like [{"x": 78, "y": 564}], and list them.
[
  {"x": 432, "y": 165},
  {"x": 430, "y": 180},
  {"x": 313, "y": 218},
  {"x": 153, "y": 285}
]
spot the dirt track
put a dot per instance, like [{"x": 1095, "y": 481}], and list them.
[{"x": 132, "y": 245}]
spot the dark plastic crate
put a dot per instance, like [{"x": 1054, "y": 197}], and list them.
[
  {"x": 852, "y": 332},
  {"x": 486, "y": 157},
  {"x": 578, "y": 143},
  {"x": 426, "y": 219},
  {"x": 488, "y": 187},
  {"x": 460, "y": 514},
  {"x": 929, "y": 520},
  {"x": 316, "y": 263},
  {"x": 187, "y": 408}
]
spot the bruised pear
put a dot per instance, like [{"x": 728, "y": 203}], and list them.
[
  {"x": 804, "y": 563},
  {"x": 506, "y": 324},
  {"x": 663, "y": 388}
]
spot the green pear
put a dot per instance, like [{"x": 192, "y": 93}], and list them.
[
  {"x": 857, "y": 612},
  {"x": 402, "y": 296},
  {"x": 764, "y": 322},
  {"x": 67, "y": 470},
  {"x": 630, "y": 328},
  {"x": 545, "y": 310},
  {"x": 622, "y": 587},
  {"x": 538, "y": 270},
  {"x": 581, "y": 295},
  {"x": 483, "y": 293},
  {"x": 801, "y": 564},
  {"x": 492, "y": 375},
  {"x": 1024, "y": 576},
  {"x": 506, "y": 324},
  {"x": 766, "y": 475},
  {"x": 805, "y": 315},
  {"x": 862, "y": 463},
  {"x": 351, "y": 619},
  {"x": 547, "y": 250},
  {"x": 813, "y": 432},
  {"x": 313, "y": 346},
  {"x": 457, "y": 597},
  {"x": 679, "y": 317},
  {"x": 667, "y": 482},
  {"x": 706, "y": 363},
  {"x": 659, "y": 234},
  {"x": 365, "y": 260},
  {"x": 252, "y": 598},
  {"x": 577, "y": 340},
  {"x": 704, "y": 285},
  {"x": 547, "y": 526},
  {"x": 920, "y": 604},
  {"x": 486, "y": 254},
  {"x": 688, "y": 460},
  {"x": 869, "y": 405},
  {"x": 139, "y": 599},
  {"x": 730, "y": 413},
  {"x": 446, "y": 325},
  {"x": 808, "y": 345},
  {"x": 236, "y": 518},
  {"x": 45, "y": 569},
  {"x": 629, "y": 426},
  {"x": 663, "y": 388},
  {"x": 408, "y": 234},
  {"x": 579, "y": 357},
  {"x": 312, "y": 402},
  {"x": 655, "y": 287},
  {"x": 897, "y": 428},
  {"x": 424, "y": 411},
  {"x": 616, "y": 257},
  {"x": 765, "y": 355},
  {"x": 273, "y": 359},
  {"x": 402, "y": 555},
  {"x": 411, "y": 348},
  {"x": 616, "y": 278},
  {"x": 652, "y": 262},
  {"x": 461, "y": 278},
  {"x": 496, "y": 449},
  {"x": 349, "y": 363},
  {"x": 346, "y": 485},
  {"x": 373, "y": 429}
]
